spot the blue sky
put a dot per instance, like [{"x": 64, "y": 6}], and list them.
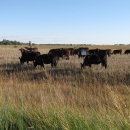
[{"x": 66, "y": 21}]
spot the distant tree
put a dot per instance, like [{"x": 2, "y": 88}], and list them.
[
  {"x": 30, "y": 44},
  {"x": 5, "y": 42},
  {"x": 8, "y": 42}
]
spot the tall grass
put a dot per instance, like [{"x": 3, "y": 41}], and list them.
[{"x": 64, "y": 97}]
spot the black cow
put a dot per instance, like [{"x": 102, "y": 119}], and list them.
[
  {"x": 76, "y": 51},
  {"x": 95, "y": 59},
  {"x": 26, "y": 57},
  {"x": 107, "y": 51},
  {"x": 127, "y": 52},
  {"x": 94, "y": 51},
  {"x": 46, "y": 59},
  {"x": 117, "y": 51}
]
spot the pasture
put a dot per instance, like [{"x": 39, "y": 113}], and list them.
[{"x": 65, "y": 97}]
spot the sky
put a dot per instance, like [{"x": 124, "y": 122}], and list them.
[{"x": 100, "y": 22}]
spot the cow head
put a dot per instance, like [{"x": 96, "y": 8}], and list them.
[
  {"x": 55, "y": 60},
  {"x": 85, "y": 62},
  {"x": 21, "y": 61},
  {"x": 22, "y": 50}
]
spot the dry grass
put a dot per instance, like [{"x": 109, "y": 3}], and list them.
[{"x": 92, "y": 95}]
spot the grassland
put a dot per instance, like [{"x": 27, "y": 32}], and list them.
[{"x": 65, "y": 97}]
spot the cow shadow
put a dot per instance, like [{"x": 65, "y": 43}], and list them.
[
  {"x": 55, "y": 74},
  {"x": 15, "y": 67},
  {"x": 38, "y": 73}
]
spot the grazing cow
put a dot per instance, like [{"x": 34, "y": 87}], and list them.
[
  {"x": 46, "y": 59},
  {"x": 76, "y": 51},
  {"x": 60, "y": 52},
  {"x": 127, "y": 52},
  {"x": 117, "y": 51},
  {"x": 107, "y": 51},
  {"x": 83, "y": 52},
  {"x": 95, "y": 59},
  {"x": 26, "y": 57},
  {"x": 94, "y": 51}
]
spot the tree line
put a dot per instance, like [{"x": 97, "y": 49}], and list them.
[{"x": 8, "y": 42}]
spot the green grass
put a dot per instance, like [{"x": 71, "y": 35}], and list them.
[{"x": 61, "y": 120}]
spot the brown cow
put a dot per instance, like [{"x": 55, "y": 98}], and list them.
[
  {"x": 29, "y": 50},
  {"x": 71, "y": 50},
  {"x": 62, "y": 52},
  {"x": 28, "y": 55},
  {"x": 23, "y": 51},
  {"x": 35, "y": 49},
  {"x": 66, "y": 52}
]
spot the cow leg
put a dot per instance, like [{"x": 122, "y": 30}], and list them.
[
  {"x": 67, "y": 58},
  {"x": 105, "y": 65},
  {"x": 35, "y": 66},
  {"x": 28, "y": 63},
  {"x": 55, "y": 64},
  {"x": 62, "y": 57},
  {"x": 22, "y": 63},
  {"x": 102, "y": 63},
  {"x": 82, "y": 66},
  {"x": 89, "y": 65},
  {"x": 43, "y": 66},
  {"x": 52, "y": 65}
]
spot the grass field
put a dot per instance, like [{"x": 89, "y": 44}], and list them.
[{"x": 65, "y": 97}]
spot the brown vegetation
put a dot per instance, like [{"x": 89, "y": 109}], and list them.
[{"x": 99, "y": 90}]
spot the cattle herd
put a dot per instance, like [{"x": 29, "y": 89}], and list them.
[{"x": 90, "y": 56}]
